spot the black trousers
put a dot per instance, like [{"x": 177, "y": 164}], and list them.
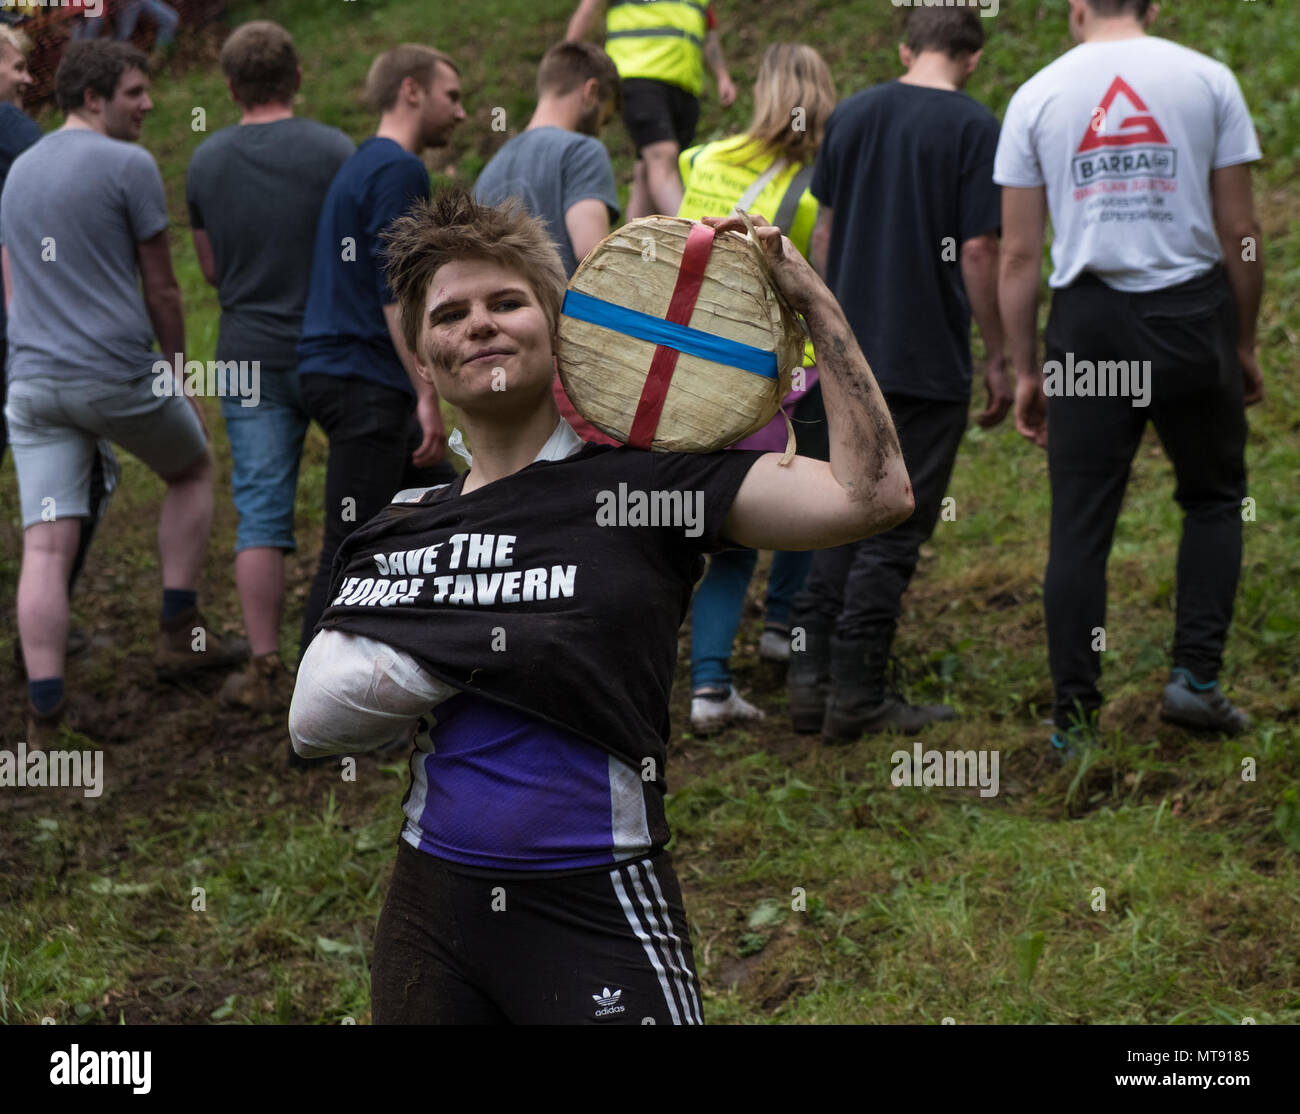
[
  {"x": 861, "y": 585},
  {"x": 372, "y": 432},
  {"x": 1188, "y": 333},
  {"x": 608, "y": 947}
]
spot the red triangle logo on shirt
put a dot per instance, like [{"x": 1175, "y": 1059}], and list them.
[{"x": 1132, "y": 129}]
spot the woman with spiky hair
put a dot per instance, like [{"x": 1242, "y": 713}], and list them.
[{"x": 527, "y": 649}]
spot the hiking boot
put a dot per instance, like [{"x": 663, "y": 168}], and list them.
[
  {"x": 892, "y": 714},
  {"x": 43, "y": 731},
  {"x": 1200, "y": 705},
  {"x": 264, "y": 685},
  {"x": 712, "y": 711},
  {"x": 809, "y": 678},
  {"x": 186, "y": 644},
  {"x": 860, "y": 700},
  {"x": 774, "y": 646},
  {"x": 78, "y": 643}
]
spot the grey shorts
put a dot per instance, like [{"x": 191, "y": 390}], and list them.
[{"x": 55, "y": 424}]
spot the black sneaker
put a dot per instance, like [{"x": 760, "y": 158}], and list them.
[{"x": 1200, "y": 705}]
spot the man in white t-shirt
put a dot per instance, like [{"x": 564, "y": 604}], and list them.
[{"x": 1140, "y": 149}]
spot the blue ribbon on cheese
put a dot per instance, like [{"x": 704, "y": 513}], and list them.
[{"x": 692, "y": 342}]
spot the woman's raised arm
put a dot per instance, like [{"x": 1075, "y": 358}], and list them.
[{"x": 809, "y": 504}]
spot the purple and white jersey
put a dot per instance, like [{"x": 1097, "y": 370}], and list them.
[
  {"x": 502, "y": 790},
  {"x": 497, "y": 788}
]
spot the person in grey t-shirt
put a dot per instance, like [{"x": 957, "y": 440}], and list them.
[
  {"x": 255, "y": 192},
  {"x": 559, "y": 170},
  {"x": 18, "y": 131},
  {"x": 556, "y": 166},
  {"x": 80, "y": 207}
]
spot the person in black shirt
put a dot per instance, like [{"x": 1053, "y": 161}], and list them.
[
  {"x": 537, "y": 624},
  {"x": 255, "y": 192},
  {"x": 907, "y": 237}
]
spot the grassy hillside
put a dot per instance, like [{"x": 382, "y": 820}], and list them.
[{"x": 917, "y": 904}]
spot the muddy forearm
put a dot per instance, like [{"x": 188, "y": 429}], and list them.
[{"x": 865, "y": 457}]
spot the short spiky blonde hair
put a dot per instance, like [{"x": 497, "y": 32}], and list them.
[{"x": 453, "y": 226}]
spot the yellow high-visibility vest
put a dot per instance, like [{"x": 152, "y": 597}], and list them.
[
  {"x": 715, "y": 181},
  {"x": 660, "y": 39}
]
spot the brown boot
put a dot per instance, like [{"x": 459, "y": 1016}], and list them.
[
  {"x": 186, "y": 644},
  {"x": 43, "y": 730},
  {"x": 265, "y": 685}
]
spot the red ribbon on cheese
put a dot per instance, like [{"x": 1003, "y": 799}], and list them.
[{"x": 690, "y": 277}]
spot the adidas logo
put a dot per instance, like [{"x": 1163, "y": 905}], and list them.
[{"x": 607, "y": 1002}]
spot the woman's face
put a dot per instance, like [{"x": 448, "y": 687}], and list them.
[{"x": 486, "y": 338}]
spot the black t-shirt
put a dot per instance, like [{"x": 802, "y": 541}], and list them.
[
  {"x": 558, "y": 590},
  {"x": 908, "y": 173},
  {"x": 257, "y": 190}
]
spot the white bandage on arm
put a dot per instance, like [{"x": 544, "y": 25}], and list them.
[{"x": 354, "y": 694}]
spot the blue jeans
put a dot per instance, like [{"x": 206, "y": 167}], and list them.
[
  {"x": 265, "y": 448},
  {"x": 719, "y": 600},
  {"x": 163, "y": 14}
]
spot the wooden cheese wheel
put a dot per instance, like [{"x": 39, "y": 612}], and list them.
[{"x": 710, "y": 402}]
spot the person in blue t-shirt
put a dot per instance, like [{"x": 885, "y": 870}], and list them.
[{"x": 357, "y": 376}]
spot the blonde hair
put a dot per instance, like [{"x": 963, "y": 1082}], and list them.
[
  {"x": 453, "y": 226},
  {"x": 11, "y": 37},
  {"x": 793, "y": 98}
]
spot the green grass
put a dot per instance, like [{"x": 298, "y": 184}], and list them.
[{"x": 817, "y": 891}]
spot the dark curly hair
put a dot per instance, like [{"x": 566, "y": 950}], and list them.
[{"x": 94, "y": 65}]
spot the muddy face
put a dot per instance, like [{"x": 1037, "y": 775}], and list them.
[{"x": 486, "y": 340}]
